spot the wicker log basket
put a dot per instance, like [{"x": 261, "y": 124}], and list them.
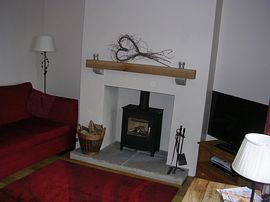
[{"x": 91, "y": 138}]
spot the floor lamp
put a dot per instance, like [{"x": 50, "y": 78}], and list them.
[
  {"x": 253, "y": 159},
  {"x": 44, "y": 44}
]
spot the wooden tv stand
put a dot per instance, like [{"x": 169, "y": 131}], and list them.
[{"x": 206, "y": 169}]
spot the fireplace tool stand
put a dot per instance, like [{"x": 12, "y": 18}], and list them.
[{"x": 178, "y": 146}]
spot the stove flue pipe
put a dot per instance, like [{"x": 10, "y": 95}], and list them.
[{"x": 144, "y": 100}]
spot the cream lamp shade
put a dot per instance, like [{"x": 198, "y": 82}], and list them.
[
  {"x": 253, "y": 158},
  {"x": 44, "y": 44}
]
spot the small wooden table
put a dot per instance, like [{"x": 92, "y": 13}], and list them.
[{"x": 204, "y": 190}]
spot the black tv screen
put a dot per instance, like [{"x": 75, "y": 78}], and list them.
[{"x": 231, "y": 118}]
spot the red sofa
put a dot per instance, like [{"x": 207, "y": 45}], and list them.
[{"x": 33, "y": 126}]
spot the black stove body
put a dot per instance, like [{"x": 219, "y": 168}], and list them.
[{"x": 141, "y": 126}]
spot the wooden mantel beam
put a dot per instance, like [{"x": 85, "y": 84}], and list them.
[{"x": 141, "y": 68}]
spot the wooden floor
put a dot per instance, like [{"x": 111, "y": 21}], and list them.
[{"x": 27, "y": 171}]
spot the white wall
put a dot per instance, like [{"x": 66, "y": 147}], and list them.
[
  {"x": 186, "y": 26},
  {"x": 212, "y": 69},
  {"x": 243, "y": 65},
  {"x": 20, "y": 21},
  {"x": 63, "y": 19}
]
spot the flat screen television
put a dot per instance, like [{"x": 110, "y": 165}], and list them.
[{"x": 231, "y": 118}]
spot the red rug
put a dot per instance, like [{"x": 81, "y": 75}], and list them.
[{"x": 65, "y": 181}]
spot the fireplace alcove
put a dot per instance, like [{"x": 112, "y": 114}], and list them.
[{"x": 120, "y": 97}]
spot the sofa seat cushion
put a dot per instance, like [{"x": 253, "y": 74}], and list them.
[{"x": 24, "y": 134}]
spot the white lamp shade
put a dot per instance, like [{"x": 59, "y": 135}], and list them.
[
  {"x": 253, "y": 158},
  {"x": 44, "y": 43}
]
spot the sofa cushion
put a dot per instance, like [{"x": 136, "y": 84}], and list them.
[
  {"x": 27, "y": 133},
  {"x": 39, "y": 104},
  {"x": 13, "y": 102}
]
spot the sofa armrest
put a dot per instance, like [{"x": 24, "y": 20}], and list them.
[
  {"x": 64, "y": 110},
  {"x": 54, "y": 108}
]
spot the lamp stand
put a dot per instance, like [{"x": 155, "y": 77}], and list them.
[
  {"x": 44, "y": 66},
  {"x": 253, "y": 191}
]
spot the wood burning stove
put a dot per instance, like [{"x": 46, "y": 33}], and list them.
[{"x": 141, "y": 126}]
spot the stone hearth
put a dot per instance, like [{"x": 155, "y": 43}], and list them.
[{"x": 134, "y": 162}]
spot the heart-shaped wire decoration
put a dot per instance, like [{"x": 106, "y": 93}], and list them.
[{"x": 128, "y": 48}]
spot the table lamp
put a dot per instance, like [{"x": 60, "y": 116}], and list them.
[
  {"x": 44, "y": 44},
  {"x": 253, "y": 159}
]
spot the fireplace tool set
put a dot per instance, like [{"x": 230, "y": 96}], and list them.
[{"x": 178, "y": 146}]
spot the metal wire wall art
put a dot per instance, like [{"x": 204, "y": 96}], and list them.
[{"x": 129, "y": 48}]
